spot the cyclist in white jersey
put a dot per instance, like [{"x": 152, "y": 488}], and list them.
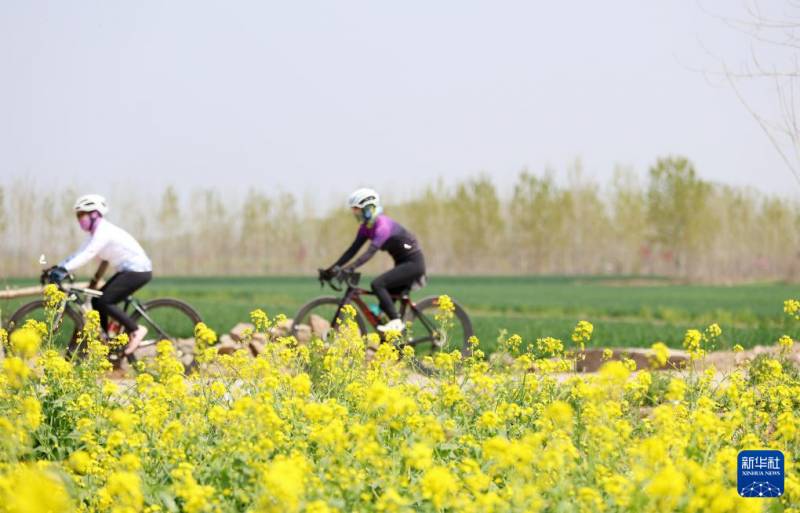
[{"x": 111, "y": 243}]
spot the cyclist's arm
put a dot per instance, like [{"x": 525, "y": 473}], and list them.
[
  {"x": 101, "y": 270},
  {"x": 87, "y": 252},
  {"x": 383, "y": 230},
  {"x": 365, "y": 257},
  {"x": 351, "y": 251}
]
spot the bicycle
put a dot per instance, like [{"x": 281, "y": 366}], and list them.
[
  {"x": 166, "y": 318},
  {"x": 422, "y": 332}
]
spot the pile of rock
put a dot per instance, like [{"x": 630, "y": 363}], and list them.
[
  {"x": 184, "y": 347},
  {"x": 592, "y": 359},
  {"x": 244, "y": 336},
  {"x": 726, "y": 360}
]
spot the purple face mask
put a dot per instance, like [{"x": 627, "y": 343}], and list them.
[{"x": 87, "y": 222}]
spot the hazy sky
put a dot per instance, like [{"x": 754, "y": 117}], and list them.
[{"x": 321, "y": 97}]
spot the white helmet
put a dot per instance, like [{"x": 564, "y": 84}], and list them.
[
  {"x": 364, "y": 197},
  {"x": 91, "y": 203}
]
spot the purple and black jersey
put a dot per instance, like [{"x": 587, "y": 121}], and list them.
[
  {"x": 388, "y": 235},
  {"x": 385, "y": 234}
]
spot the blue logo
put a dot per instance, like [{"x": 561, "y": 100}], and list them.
[{"x": 760, "y": 473}]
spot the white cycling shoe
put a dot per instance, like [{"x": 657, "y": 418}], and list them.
[
  {"x": 393, "y": 325},
  {"x": 135, "y": 339}
]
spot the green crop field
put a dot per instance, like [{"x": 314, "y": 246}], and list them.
[{"x": 624, "y": 311}]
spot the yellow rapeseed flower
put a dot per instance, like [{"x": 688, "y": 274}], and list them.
[
  {"x": 559, "y": 413},
  {"x": 284, "y": 485},
  {"x": 666, "y": 488},
  {"x": 419, "y": 456},
  {"x": 660, "y": 353},
  {"x": 445, "y": 304},
  {"x": 123, "y": 492},
  {"x": 550, "y": 346},
  {"x": 53, "y": 296},
  {"x": 676, "y": 390},
  {"x": 785, "y": 343},
  {"x": 582, "y": 332},
  {"x": 439, "y": 486},
  {"x": 80, "y": 461},
  {"x": 692, "y": 342},
  {"x": 30, "y": 489},
  {"x": 25, "y": 342},
  {"x": 204, "y": 336},
  {"x": 488, "y": 420},
  {"x": 32, "y": 412},
  {"x": 260, "y": 320},
  {"x": 196, "y": 498},
  {"x": 392, "y": 502},
  {"x": 15, "y": 370},
  {"x": 792, "y": 308},
  {"x": 713, "y": 331}
]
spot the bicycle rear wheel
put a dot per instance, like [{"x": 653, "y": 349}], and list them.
[
  {"x": 65, "y": 329},
  {"x": 427, "y": 337},
  {"x": 320, "y": 318}
]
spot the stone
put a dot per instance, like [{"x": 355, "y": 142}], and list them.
[
  {"x": 147, "y": 352},
  {"x": 282, "y": 329},
  {"x": 260, "y": 337},
  {"x": 256, "y": 347},
  {"x": 501, "y": 359},
  {"x": 592, "y": 359},
  {"x": 319, "y": 326},
  {"x": 227, "y": 345},
  {"x": 186, "y": 345},
  {"x": 238, "y": 331},
  {"x": 303, "y": 333}
]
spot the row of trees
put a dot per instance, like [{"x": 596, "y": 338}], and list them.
[{"x": 673, "y": 224}]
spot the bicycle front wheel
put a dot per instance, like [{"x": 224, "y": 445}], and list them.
[
  {"x": 65, "y": 328},
  {"x": 320, "y": 318}
]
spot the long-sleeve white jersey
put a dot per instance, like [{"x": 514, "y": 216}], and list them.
[{"x": 111, "y": 243}]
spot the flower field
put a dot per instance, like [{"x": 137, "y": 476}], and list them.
[{"x": 314, "y": 428}]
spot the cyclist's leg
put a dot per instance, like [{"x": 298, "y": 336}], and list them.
[
  {"x": 99, "y": 304},
  {"x": 120, "y": 286},
  {"x": 402, "y": 276}
]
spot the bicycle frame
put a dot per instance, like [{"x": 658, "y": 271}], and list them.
[
  {"x": 137, "y": 306},
  {"x": 354, "y": 294},
  {"x": 76, "y": 295}
]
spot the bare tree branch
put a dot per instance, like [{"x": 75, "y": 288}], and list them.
[
  {"x": 768, "y": 129},
  {"x": 782, "y": 130}
]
